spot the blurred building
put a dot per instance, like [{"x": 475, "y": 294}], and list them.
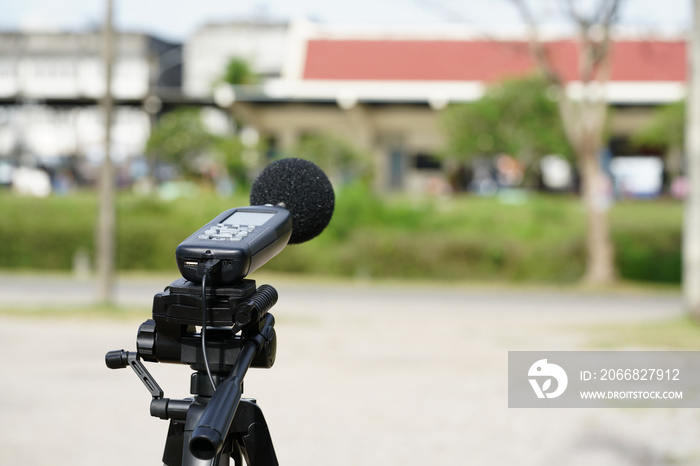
[
  {"x": 207, "y": 52},
  {"x": 383, "y": 88},
  {"x": 50, "y": 87},
  {"x": 380, "y": 88}
]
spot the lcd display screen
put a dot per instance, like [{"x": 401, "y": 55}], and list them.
[{"x": 248, "y": 218}]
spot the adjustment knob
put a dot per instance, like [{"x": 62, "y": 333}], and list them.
[{"x": 146, "y": 340}]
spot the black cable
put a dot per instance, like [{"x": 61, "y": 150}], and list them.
[{"x": 204, "y": 330}]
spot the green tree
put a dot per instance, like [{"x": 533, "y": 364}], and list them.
[
  {"x": 230, "y": 152},
  {"x": 335, "y": 156},
  {"x": 516, "y": 116},
  {"x": 666, "y": 127},
  {"x": 182, "y": 138},
  {"x": 239, "y": 71},
  {"x": 665, "y": 130}
]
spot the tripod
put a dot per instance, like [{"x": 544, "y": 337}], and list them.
[{"x": 216, "y": 424}]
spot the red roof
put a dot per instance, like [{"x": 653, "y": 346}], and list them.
[{"x": 452, "y": 60}]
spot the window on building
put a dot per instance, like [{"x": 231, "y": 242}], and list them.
[
  {"x": 7, "y": 68},
  {"x": 422, "y": 161}
]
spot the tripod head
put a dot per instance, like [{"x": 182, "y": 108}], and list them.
[
  {"x": 241, "y": 335},
  {"x": 235, "y": 313}
]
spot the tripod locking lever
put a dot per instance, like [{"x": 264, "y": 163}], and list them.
[
  {"x": 119, "y": 359},
  {"x": 255, "y": 309}
]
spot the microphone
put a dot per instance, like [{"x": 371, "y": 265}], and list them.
[
  {"x": 292, "y": 201},
  {"x": 303, "y": 189}
]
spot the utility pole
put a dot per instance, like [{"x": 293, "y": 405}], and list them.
[
  {"x": 106, "y": 216},
  {"x": 691, "y": 223}
]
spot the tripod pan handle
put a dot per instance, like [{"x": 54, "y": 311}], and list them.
[
  {"x": 211, "y": 431},
  {"x": 213, "y": 427}
]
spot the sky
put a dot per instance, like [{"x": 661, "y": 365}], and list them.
[{"x": 177, "y": 19}]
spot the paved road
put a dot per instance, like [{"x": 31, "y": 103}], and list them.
[{"x": 392, "y": 375}]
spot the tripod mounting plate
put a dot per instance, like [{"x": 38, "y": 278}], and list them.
[{"x": 181, "y": 302}]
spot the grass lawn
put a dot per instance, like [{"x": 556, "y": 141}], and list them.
[{"x": 538, "y": 239}]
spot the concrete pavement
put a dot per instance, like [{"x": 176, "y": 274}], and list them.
[{"x": 371, "y": 375}]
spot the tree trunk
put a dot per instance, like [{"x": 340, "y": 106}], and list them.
[
  {"x": 584, "y": 119},
  {"x": 584, "y": 123},
  {"x": 600, "y": 260},
  {"x": 106, "y": 220}
]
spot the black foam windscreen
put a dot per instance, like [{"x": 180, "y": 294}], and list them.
[{"x": 305, "y": 191}]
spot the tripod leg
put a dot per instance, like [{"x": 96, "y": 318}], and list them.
[
  {"x": 175, "y": 455},
  {"x": 236, "y": 454},
  {"x": 172, "y": 455},
  {"x": 254, "y": 437},
  {"x": 249, "y": 439}
]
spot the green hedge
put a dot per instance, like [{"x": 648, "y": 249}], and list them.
[{"x": 462, "y": 238}]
